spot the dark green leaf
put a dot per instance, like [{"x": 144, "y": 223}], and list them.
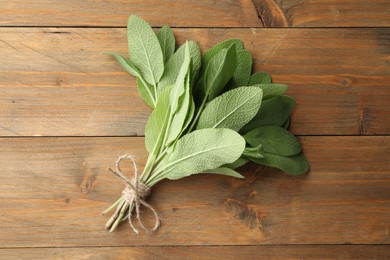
[
  {"x": 219, "y": 71},
  {"x": 274, "y": 139},
  {"x": 260, "y": 78},
  {"x": 296, "y": 164},
  {"x": 243, "y": 70},
  {"x": 274, "y": 111}
]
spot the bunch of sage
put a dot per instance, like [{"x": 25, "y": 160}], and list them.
[{"x": 210, "y": 114}]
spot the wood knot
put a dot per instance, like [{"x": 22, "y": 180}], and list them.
[{"x": 246, "y": 215}]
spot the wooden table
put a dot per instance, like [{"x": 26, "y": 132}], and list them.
[{"x": 67, "y": 112}]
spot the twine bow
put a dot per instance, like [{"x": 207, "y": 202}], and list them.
[{"x": 134, "y": 194}]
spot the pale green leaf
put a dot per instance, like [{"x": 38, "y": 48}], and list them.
[
  {"x": 173, "y": 65},
  {"x": 145, "y": 50},
  {"x": 238, "y": 163},
  {"x": 167, "y": 41},
  {"x": 202, "y": 150},
  {"x": 274, "y": 139},
  {"x": 180, "y": 115},
  {"x": 144, "y": 90},
  {"x": 233, "y": 109},
  {"x": 157, "y": 123},
  {"x": 225, "y": 171}
]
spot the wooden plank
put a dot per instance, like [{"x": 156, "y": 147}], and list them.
[
  {"x": 204, "y": 252},
  {"x": 315, "y": 13},
  {"x": 53, "y": 189},
  {"x": 190, "y": 13},
  {"x": 64, "y": 86},
  {"x": 184, "y": 13}
]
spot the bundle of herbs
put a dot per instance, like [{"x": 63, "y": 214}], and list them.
[{"x": 210, "y": 115}]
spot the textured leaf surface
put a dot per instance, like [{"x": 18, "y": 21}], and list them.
[
  {"x": 243, "y": 70},
  {"x": 145, "y": 50},
  {"x": 145, "y": 90},
  {"x": 274, "y": 139},
  {"x": 274, "y": 111},
  {"x": 173, "y": 65},
  {"x": 233, "y": 109},
  {"x": 272, "y": 90},
  {"x": 217, "y": 48},
  {"x": 202, "y": 150},
  {"x": 225, "y": 171},
  {"x": 167, "y": 42},
  {"x": 157, "y": 123},
  {"x": 219, "y": 71},
  {"x": 260, "y": 78}
]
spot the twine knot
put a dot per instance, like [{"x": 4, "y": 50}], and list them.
[{"x": 134, "y": 194}]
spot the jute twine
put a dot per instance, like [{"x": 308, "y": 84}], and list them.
[{"x": 134, "y": 194}]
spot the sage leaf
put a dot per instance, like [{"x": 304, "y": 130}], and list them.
[
  {"x": 238, "y": 163},
  {"x": 181, "y": 113},
  {"x": 219, "y": 71},
  {"x": 274, "y": 111},
  {"x": 233, "y": 109},
  {"x": 145, "y": 50},
  {"x": 167, "y": 42},
  {"x": 243, "y": 70},
  {"x": 272, "y": 90},
  {"x": 202, "y": 150},
  {"x": 217, "y": 48},
  {"x": 254, "y": 152},
  {"x": 173, "y": 65},
  {"x": 274, "y": 139},
  {"x": 156, "y": 126},
  {"x": 294, "y": 165},
  {"x": 145, "y": 90},
  {"x": 225, "y": 171},
  {"x": 260, "y": 78}
]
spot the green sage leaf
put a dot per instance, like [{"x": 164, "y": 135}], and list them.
[
  {"x": 145, "y": 50},
  {"x": 202, "y": 150},
  {"x": 272, "y": 90},
  {"x": 233, "y": 109},
  {"x": 173, "y": 65},
  {"x": 243, "y": 70},
  {"x": 274, "y": 139},
  {"x": 225, "y": 171},
  {"x": 156, "y": 126},
  {"x": 274, "y": 111},
  {"x": 206, "y": 58},
  {"x": 167, "y": 42},
  {"x": 219, "y": 71},
  {"x": 145, "y": 90},
  {"x": 238, "y": 163},
  {"x": 260, "y": 78},
  {"x": 294, "y": 165}
]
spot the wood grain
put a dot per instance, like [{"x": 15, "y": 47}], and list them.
[
  {"x": 204, "y": 252},
  {"x": 183, "y": 13},
  {"x": 55, "y": 82},
  {"x": 317, "y": 13},
  {"x": 52, "y": 190}
]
